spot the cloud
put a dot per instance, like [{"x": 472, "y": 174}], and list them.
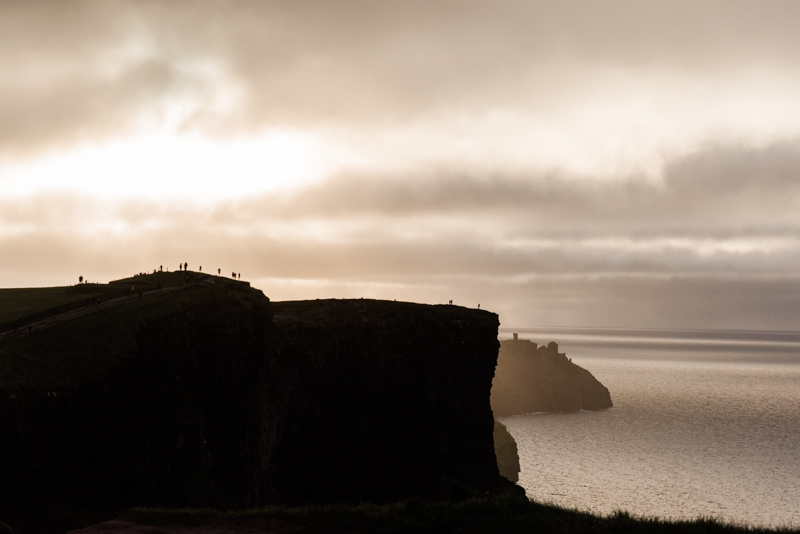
[
  {"x": 593, "y": 163},
  {"x": 723, "y": 211},
  {"x": 625, "y": 79},
  {"x": 716, "y": 193}
]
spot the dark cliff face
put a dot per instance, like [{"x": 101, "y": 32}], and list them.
[
  {"x": 171, "y": 424},
  {"x": 241, "y": 402},
  {"x": 385, "y": 400},
  {"x": 530, "y": 380}
]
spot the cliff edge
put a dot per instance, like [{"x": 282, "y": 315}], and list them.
[{"x": 532, "y": 379}]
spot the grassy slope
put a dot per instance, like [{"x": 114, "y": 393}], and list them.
[
  {"x": 490, "y": 514},
  {"x": 18, "y": 303},
  {"x": 82, "y": 349}
]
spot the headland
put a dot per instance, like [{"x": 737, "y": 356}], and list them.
[
  {"x": 181, "y": 389},
  {"x": 531, "y": 378}
]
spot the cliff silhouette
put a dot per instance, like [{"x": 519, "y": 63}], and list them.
[
  {"x": 210, "y": 395},
  {"x": 531, "y": 379}
]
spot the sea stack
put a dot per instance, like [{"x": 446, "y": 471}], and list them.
[{"x": 532, "y": 379}]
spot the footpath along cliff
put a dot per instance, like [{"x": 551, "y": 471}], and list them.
[
  {"x": 211, "y": 395},
  {"x": 532, "y": 379}
]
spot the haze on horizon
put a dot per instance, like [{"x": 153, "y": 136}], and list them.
[{"x": 562, "y": 163}]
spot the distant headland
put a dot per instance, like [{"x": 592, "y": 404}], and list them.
[{"x": 530, "y": 378}]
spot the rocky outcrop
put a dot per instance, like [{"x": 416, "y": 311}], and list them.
[
  {"x": 234, "y": 401},
  {"x": 505, "y": 448},
  {"x": 532, "y": 379}
]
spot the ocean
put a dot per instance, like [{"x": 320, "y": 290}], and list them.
[{"x": 704, "y": 423}]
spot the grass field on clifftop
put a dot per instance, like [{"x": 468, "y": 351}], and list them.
[
  {"x": 19, "y": 303},
  {"x": 82, "y": 349}
]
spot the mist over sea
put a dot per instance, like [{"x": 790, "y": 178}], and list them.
[{"x": 704, "y": 423}]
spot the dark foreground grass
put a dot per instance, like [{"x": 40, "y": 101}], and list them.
[{"x": 490, "y": 515}]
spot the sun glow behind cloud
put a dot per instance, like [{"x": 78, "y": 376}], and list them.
[{"x": 170, "y": 166}]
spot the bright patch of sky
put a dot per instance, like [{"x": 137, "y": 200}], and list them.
[
  {"x": 170, "y": 166},
  {"x": 619, "y": 127}
]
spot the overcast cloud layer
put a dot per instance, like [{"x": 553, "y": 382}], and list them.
[{"x": 615, "y": 163}]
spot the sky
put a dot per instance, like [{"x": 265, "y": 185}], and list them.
[{"x": 615, "y": 163}]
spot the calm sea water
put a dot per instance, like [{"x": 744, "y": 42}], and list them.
[{"x": 703, "y": 424}]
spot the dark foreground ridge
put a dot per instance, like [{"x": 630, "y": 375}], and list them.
[
  {"x": 487, "y": 514},
  {"x": 210, "y": 395},
  {"x": 530, "y": 379}
]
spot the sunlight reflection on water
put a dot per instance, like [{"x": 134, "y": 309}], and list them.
[{"x": 692, "y": 433}]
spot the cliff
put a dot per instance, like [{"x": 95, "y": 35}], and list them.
[
  {"x": 211, "y": 395},
  {"x": 530, "y": 379},
  {"x": 505, "y": 448},
  {"x": 385, "y": 400}
]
